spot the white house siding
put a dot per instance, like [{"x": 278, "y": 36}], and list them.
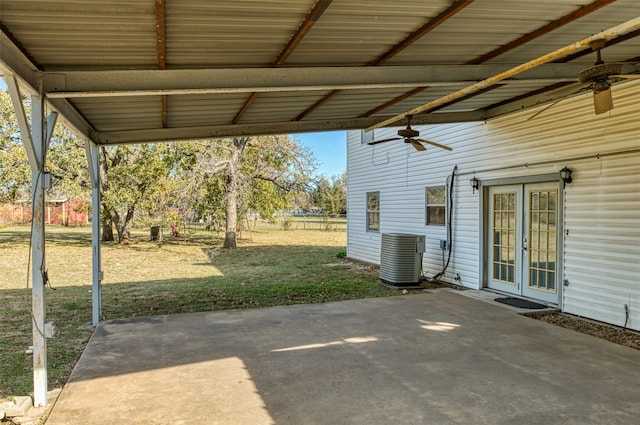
[{"x": 601, "y": 241}]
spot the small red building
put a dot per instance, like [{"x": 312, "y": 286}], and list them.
[{"x": 66, "y": 212}]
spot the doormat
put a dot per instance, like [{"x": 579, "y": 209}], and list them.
[{"x": 520, "y": 303}]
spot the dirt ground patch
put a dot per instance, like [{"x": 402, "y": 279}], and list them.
[{"x": 600, "y": 330}]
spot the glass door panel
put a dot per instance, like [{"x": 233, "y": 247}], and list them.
[
  {"x": 504, "y": 228},
  {"x": 541, "y": 217}
]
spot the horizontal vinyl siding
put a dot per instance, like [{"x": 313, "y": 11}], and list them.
[
  {"x": 602, "y": 247},
  {"x": 601, "y": 207},
  {"x": 401, "y": 175}
]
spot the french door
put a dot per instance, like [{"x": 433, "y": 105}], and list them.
[{"x": 523, "y": 240}]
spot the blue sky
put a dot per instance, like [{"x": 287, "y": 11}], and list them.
[{"x": 330, "y": 149}]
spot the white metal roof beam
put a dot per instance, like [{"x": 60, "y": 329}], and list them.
[
  {"x": 231, "y": 130},
  {"x": 72, "y": 84}
]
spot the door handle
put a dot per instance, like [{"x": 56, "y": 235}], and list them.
[{"x": 524, "y": 244}]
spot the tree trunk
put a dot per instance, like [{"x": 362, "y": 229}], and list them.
[
  {"x": 107, "y": 231},
  {"x": 105, "y": 215},
  {"x": 230, "y": 241},
  {"x": 107, "y": 226},
  {"x": 232, "y": 192},
  {"x": 123, "y": 227}
]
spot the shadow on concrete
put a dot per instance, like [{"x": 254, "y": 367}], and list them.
[{"x": 437, "y": 358}]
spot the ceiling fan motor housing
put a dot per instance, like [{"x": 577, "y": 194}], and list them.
[
  {"x": 408, "y": 132},
  {"x": 600, "y": 72}
]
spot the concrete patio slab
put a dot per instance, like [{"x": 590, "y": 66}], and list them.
[{"x": 433, "y": 358}]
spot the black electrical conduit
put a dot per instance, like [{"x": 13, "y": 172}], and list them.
[{"x": 449, "y": 225}]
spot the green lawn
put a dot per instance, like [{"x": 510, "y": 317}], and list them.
[{"x": 270, "y": 267}]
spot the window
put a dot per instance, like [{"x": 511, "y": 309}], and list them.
[
  {"x": 373, "y": 211},
  {"x": 367, "y": 136},
  {"x": 436, "y": 209}
]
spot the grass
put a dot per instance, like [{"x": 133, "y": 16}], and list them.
[{"x": 269, "y": 268}]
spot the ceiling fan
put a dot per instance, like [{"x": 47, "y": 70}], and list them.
[
  {"x": 598, "y": 78},
  {"x": 408, "y": 135}
]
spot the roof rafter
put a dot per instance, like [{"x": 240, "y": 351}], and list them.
[
  {"x": 622, "y": 28},
  {"x": 535, "y": 94},
  {"x": 309, "y": 21},
  {"x": 551, "y": 26},
  {"x": 161, "y": 37},
  {"x": 394, "y": 101},
  {"x": 429, "y": 26},
  {"x": 520, "y": 41}
]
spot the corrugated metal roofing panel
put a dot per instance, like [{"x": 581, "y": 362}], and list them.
[
  {"x": 607, "y": 17},
  {"x": 230, "y": 33},
  {"x": 480, "y": 28},
  {"x": 121, "y": 113},
  {"x": 64, "y": 35},
  {"x": 193, "y": 111},
  {"x": 355, "y": 33},
  {"x": 280, "y": 108}
]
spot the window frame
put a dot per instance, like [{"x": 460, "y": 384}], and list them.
[
  {"x": 431, "y": 205},
  {"x": 367, "y": 136},
  {"x": 376, "y": 212}
]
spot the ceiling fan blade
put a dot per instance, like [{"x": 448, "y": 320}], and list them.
[
  {"x": 558, "y": 95},
  {"x": 375, "y": 142},
  {"x": 602, "y": 101},
  {"x": 627, "y": 76},
  {"x": 549, "y": 106},
  {"x": 438, "y": 145},
  {"x": 567, "y": 90},
  {"x": 416, "y": 144}
]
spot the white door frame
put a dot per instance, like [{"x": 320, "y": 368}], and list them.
[{"x": 485, "y": 256}]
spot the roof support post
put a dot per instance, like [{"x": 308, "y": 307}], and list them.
[
  {"x": 36, "y": 142},
  {"x": 93, "y": 158}
]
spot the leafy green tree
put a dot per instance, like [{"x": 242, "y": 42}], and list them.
[
  {"x": 66, "y": 160},
  {"x": 129, "y": 175},
  {"x": 15, "y": 174},
  {"x": 67, "y": 164},
  {"x": 216, "y": 178},
  {"x": 257, "y": 173},
  {"x": 330, "y": 195}
]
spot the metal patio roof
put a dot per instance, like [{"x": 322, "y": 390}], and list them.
[{"x": 127, "y": 71}]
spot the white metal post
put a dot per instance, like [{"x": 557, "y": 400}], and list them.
[
  {"x": 36, "y": 141},
  {"x": 38, "y": 297},
  {"x": 93, "y": 158}
]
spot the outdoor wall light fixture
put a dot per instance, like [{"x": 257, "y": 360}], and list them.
[
  {"x": 565, "y": 175},
  {"x": 475, "y": 184}
]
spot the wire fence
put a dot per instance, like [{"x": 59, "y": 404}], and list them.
[{"x": 326, "y": 223}]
